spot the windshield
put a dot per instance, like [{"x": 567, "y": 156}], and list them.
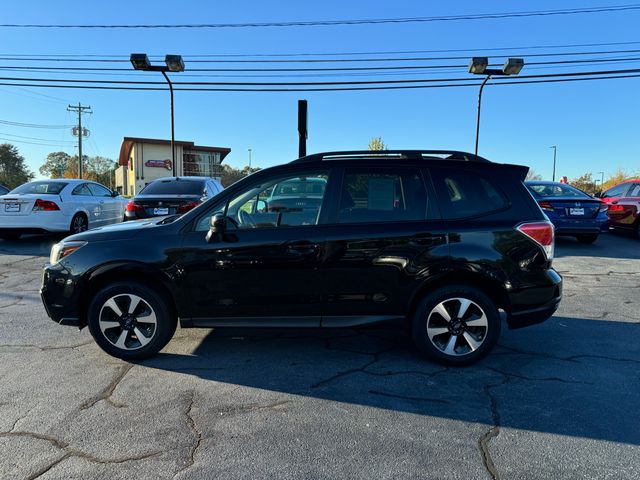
[
  {"x": 51, "y": 188},
  {"x": 299, "y": 187},
  {"x": 174, "y": 187},
  {"x": 548, "y": 191}
]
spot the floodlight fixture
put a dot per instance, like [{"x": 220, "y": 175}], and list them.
[
  {"x": 140, "y": 61},
  {"x": 478, "y": 65}
]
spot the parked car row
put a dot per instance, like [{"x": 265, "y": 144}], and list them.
[{"x": 73, "y": 206}]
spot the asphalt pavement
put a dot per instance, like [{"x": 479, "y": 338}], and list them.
[{"x": 556, "y": 400}]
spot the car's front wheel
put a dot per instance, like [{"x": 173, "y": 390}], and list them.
[
  {"x": 456, "y": 325},
  {"x": 130, "y": 321}
]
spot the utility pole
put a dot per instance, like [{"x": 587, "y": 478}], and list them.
[
  {"x": 249, "y": 159},
  {"x": 80, "y": 109}
]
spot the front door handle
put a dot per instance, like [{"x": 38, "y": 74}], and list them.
[
  {"x": 303, "y": 247},
  {"x": 428, "y": 240}
]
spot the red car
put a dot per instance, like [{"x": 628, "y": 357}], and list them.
[{"x": 624, "y": 205}]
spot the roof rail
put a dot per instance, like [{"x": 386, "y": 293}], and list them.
[{"x": 399, "y": 154}]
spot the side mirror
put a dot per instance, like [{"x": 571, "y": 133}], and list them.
[
  {"x": 261, "y": 206},
  {"x": 217, "y": 226},
  {"x": 114, "y": 193}
]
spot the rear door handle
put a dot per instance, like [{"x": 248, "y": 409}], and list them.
[{"x": 428, "y": 240}]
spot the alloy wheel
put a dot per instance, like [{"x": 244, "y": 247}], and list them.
[
  {"x": 127, "y": 321},
  {"x": 457, "y": 326},
  {"x": 79, "y": 224}
]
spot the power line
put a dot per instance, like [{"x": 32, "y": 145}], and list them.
[
  {"x": 324, "y": 60},
  {"x": 326, "y": 89},
  {"x": 129, "y": 72},
  {"x": 33, "y": 125},
  {"x": 361, "y": 82},
  {"x": 34, "y": 143},
  {"x": 322, "y": 23},
  {"x": 320, "y": 54},
  {"x": 37, "y": 139}
]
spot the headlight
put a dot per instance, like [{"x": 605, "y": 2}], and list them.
[{"x": 63, "y": 249}]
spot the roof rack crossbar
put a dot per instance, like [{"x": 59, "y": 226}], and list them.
[{"x": 403, "y": 154}]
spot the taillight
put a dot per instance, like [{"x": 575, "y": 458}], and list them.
[
  {"x": 134, "y": 207},
  {"x": 187, "y": 206},
  {"x": 45, "y": 206},
  {"x": 546, "y": 206},
  {"x": 542, "y": 233}
]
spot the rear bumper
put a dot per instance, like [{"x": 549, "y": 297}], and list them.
[
  {"x": 35, "y": 222},
  {"x": 578, "y": 227},
  {"x": 536, "y": 304}
]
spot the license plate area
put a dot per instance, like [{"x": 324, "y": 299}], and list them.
[
  {"x": 11, "y": 207},
  {"x": 576, "y": 212},
  {"x": 161, "y": 211}
]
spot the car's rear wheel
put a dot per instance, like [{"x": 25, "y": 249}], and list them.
[
  {"x": 456, "y": 325},
  {"x": 130, "y": 321},
  {"x": 587, "y": 238},
  {"x": 79, "y": 223}
]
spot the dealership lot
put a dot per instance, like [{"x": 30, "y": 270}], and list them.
[{"x": 554, "y": 400}]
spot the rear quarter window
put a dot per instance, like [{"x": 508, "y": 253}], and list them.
[{"x": 464, "y": 194}]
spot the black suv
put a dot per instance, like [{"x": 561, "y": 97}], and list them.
[{"x": 443, "y": 240}]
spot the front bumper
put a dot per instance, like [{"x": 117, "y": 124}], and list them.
[{"x": 59, "y": 295}]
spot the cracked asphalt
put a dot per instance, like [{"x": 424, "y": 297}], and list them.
[{"x": 557, "y": 400}]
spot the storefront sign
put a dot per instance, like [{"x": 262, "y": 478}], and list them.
[{"x": 159, "y": 164}]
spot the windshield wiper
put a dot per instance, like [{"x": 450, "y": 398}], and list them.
[{"x": 168, "y": 219}]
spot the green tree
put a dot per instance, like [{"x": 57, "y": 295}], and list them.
[
  {"x": 585, "y": 183},
  {"x": 230, "y": 175},
  {"x": 618, "y": 177},
  {"x": 100, "y": 169},
  {"x": 13, "y": 170},
  {"x": 376, "y": 143},
  {"x": 55, "y": 165}
]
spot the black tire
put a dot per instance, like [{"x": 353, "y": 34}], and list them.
[
  {"x": 487, "y": 336},
  {"x": 587, "y": 238},
  {"x": 79, "y": 223},
  {"x": 160, "y": 334},
  {"x": 10, "y": 236}
]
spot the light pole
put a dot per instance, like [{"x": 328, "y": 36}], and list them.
[
  {"x": 249, "y": 150},
  {"x": 478, "y": 66},
  {"x": 553, "y": 178},
  {"x": 601, "y": 178},
  {"x": 174, "y": 63}
]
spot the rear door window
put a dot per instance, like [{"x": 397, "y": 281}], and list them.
[
  {"x": 386, "y": 195},
  {"x": 466, "y": 193},
  {"x": 617, "y": 191},
  {"x": 635, "y": 190}
]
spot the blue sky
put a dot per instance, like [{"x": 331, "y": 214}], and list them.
[{"x": 594, "y": 124}]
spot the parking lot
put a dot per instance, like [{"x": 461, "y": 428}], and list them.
[{"x": 554, "y": 400}]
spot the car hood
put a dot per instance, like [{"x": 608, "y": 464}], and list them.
[{"x": 118, "y": 231}]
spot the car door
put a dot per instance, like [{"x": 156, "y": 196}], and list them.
[
  {"x": 384, "y": 237},
  {"x": 83, "y": 200},
  {"x": 110, "y": 206},
  {"x": 264, "y": 270},
  {"x": 624, "y": 212}
]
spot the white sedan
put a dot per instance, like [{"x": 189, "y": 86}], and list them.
[{"x": 62, "y": 205}]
